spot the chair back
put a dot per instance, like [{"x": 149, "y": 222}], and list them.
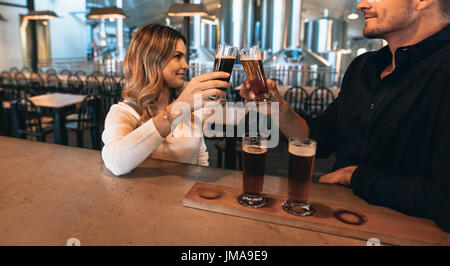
[
  {"x": 87, "y": 113},
  {"x": 51, "y": 71},
  {"x": 319, "y": 100},
  {"x": 26, "y": 118},
  {"x": 74, "y": 84},
  {"x": 36, "y": 82},
  {"x": 81, "y": 73},
  {"x": 14, "y": 70},
  {"x": 8, "y": 85},
  {"x": 53, "y": 83},
  {"x": 297, "y": 97},
  {"x": 65, "y": 72},
  {"x": 110, "y": 94}
]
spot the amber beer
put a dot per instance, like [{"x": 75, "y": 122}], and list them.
[
  {"x": 254, "y": 69},
  {"x": 253, "y": 164},
  {"x": 301, "y": 167},
  {"x": 226, "y": 64}
]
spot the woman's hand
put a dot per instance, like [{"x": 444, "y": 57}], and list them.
[{"x": 205, "y": 85}]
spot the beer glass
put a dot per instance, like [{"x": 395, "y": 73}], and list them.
[
  {"x": 254, "y": 69},
  {"x": 301, "y": 167},
  {"x": 224, "y": 61},
  {"x": 254, "y": 150}
]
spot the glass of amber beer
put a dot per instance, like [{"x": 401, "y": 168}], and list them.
[
  {"x": 254, "y": 150},
  {"x": 301, "y": 167},
  {"x": 224, "y": 61},
  {"x": 254, "y": 69}
]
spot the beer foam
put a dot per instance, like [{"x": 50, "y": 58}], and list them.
[
  {"x": 250, "y": 57},
  {"x": 226, "y": 57},
  {"x": 254, "y": 149},
  {"x": 303, "y": 151}
]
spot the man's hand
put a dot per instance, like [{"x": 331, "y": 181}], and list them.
[{"x": 342, "y": 176}]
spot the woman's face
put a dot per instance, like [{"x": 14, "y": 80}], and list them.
[{"x": 173, "y": 72}]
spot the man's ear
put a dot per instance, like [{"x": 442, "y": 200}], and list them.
[{"x": 426, "y": 4}]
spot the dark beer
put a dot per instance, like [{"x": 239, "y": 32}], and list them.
[
  {"x": 254, "y": 70},
  {"x": 226, "y": 64},
  {"x": 301, "y": 169},
  {"x": 253, "y": 162}
]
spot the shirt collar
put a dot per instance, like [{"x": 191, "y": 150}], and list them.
[{"x": 409, "y": 56}]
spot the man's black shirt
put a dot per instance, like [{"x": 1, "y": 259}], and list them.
[{"x": 395, "y": 129}]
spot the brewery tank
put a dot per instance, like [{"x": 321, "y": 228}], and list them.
[
  {"x": 325, "y": 34},
  {"x": 237, "y": 22},
  {"x": 280, "y": 24}
]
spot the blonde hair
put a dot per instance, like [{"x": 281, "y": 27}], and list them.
[{"x": 151, "y": 48}]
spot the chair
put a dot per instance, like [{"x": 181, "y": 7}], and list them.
[
  {"x": 53, "y": 83},
  {"x": 20, "y": 83},
  {"x": 8, "y": 85},
  {"x": 319, "y": 100},
  {"x": 220, "y": 147},
  {"x": 14, "y": 70},
  {"x": 297, "y": 97},
  {"x": 36, "y": 83},
  {"x": 74, "y": 84},
  {"x": 27, "y": 120},
  {"x": 26, "y": 70},
  {"x": 87, "y": 119},
  {"x": 51, "y": 71},
  {"x": 110, "y": 94},
  {"x": 97, "y": 74},
  {"x": 81, "y": 73},
  {"x": 65, "y": 72},
  {"x": 9, "y": 94},
  {"x": 92, "y": 81}
]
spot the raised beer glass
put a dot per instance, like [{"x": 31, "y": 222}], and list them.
[
  {"x": 224, "y": 61},
  {"x": 254, "y": 150},
  {"x": 254, "y": 69},
  {"x": 301, "y": 167}
]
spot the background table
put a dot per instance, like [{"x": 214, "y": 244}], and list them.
[
  {"x": 50, "y": 193},
  {"x": 59, "y": 105}
]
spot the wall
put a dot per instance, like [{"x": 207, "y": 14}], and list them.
[
  {"x": 69, "y": 33},
  {"x": 10, "y": 54}
]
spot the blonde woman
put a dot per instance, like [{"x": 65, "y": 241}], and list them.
[{"x": 141, "y": 126}]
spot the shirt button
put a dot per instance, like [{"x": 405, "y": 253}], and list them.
[{"x": 372, "y": 106}]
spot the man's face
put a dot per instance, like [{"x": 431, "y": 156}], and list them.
[{"x": 385, "y": 17}]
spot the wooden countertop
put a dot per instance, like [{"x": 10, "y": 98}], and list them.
[{"x": 50, "y": 193}]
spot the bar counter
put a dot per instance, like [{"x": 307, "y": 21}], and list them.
[{"x": 50, "y": 193}]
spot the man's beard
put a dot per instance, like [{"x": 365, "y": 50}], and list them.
[{"x": 403, "y": 19}]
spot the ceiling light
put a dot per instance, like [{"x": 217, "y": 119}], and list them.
[
  {"x": 109, "y": 12},
  {"x": 353, "y": 16},
  {"x": 41, "y": 15},
  {"x": 187, "y": 10}
]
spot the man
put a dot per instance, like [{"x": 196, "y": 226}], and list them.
[{"x": 390, "y": 124}]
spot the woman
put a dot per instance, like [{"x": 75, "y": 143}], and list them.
[{"x": 140, "y": 126}]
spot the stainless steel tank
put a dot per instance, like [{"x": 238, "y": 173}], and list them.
[
  {"x": 325, "y": 34},
  {"x": 280, "y": 24},
  {"x": 237, "y": 22}
]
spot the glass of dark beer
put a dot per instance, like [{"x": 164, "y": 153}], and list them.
[
  {"x": 254, "y": 150},
  {"x": 301, "y": 167},
  {"x": 224, "y": 61},
  {"x": 254, "y": 69}
]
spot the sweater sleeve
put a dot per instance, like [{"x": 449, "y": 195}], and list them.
[
  {"x": 126, "y": 145},
  {"x": 203, "y": 155}
]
